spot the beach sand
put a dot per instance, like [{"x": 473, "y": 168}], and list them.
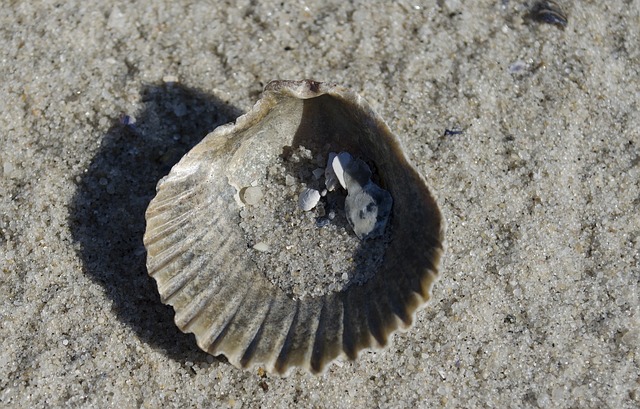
[{"x": 527, "y": 133}]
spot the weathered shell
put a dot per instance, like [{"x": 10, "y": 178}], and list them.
[{"x": 197, "y": 254}]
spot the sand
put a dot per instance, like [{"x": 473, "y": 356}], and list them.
[{"x": 538, "y": 302}]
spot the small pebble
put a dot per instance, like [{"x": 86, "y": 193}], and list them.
[
  {"x": 517, "y": 67},
  {"x": 170, "y": 79},
  {"x": 308, "y": 199},
  {"x": 252, "y": 195},
  {"x": 127, "y": 119},
  {"x": 262, "y": 246},
  {"x": 289, "y": 180},
  {"x": 317, "y": 173},
  {"x": 7, "y": 168},
  {"x": 356, "y": 174},
  {"x": 548, "y": 12}
]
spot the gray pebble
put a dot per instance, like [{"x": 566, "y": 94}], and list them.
[{"x": 356, "y": 173}]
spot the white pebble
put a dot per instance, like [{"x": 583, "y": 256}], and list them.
[
  {"x": 262, "y": 246},
  {"x": 289, "y": 180},
  {"x": 339, "y": 164},
  {"x": 169, "y": 79},
  {"x": 252, "y": 195},
  {"x": 330, "y": 179},
  {"x": 308, "y": 199},
  {"x": 7, "y": 168}
]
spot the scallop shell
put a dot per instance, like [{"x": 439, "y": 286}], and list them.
[{"x": 196, "y": 251}]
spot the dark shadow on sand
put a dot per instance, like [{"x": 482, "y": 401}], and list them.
[{"x": 107, "y": 212}]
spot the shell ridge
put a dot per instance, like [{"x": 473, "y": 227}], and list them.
[
  {"x": 238, "y": 334},
  {"x": 192, "y": 310},
  {"x": 180, "y": 172},
  {"x": 433, "y": 275},
  {"x": 216, "y": 333},
  {"x": 388, "y": 318},
  {"x": 169, "y": 200},
  {"x": 332, "y": 332},
  {"x": 170, "y": 254},
  {"x": 354, "y": 326},
  {"x": 396, "y": 302},
  {"x": 414, "y": 281},
  {"x": 166, "y": 228},
  {"x": 169, "y": 288},
  {"x": 249, "y": 352},
  {"x": 172, "y": 286},
  {"x": 374, "y": 321},
  {"x": 276, "y": 330},
  {"x": 317, "y": 350},
  {"x": 282, "y": 355},
  {"x": 302, "y": 339},
  {"x": 163, "y": 264}
]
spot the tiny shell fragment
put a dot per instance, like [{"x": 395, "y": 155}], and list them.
[{"x": 308, "y": 199}]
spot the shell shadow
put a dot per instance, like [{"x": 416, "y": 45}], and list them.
[{"x": 107, "y": 214}]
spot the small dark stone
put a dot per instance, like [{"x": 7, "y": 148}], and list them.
[{"x": 548, "y": 12}]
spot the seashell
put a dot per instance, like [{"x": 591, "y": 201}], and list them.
[{"x": 198, "y": 253}]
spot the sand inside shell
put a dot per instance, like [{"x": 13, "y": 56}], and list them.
[{"x": 307, "y": 253}]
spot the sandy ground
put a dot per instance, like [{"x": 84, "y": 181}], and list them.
[{"x": 538, "y": 301}]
